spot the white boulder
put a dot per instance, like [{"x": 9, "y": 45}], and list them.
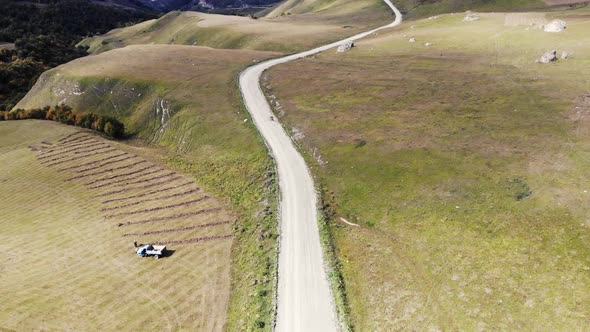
[
  {"x": 565, "y": 55},
  {"x": 345, "y": 46},
  {"x": 555, "y": 26},
  {"x": 412, "y": 40},
  {"x": 548, "y": 57},
  {"x": 470, "y": 17}
]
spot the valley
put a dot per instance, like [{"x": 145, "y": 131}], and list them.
[{"x": 431, "y": 177}]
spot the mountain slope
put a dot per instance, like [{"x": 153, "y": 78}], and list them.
[
  {"x": 69, "y": 266},
  {"x": 44, "y": 36},
  {"x": 464, "y": 165},
  {"x": 183, "y": 99},
  {"x": 285, "y": 34},
  {"x": 170, "y": 5},
  {"x": 411, "y": 9}
]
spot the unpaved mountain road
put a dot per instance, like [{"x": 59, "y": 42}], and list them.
[{"x": 304, "y": 298}]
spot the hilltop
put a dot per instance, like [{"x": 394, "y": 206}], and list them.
[
  {"x": 286, "y": 33},
  {"x": 289, "y": 26}
]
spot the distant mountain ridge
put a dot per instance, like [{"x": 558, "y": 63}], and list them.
[{"x": 168, "y": 5}]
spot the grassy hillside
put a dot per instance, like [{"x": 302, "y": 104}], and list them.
[
  {"x": 411, "y": 9},
  {"x": 190, "y": 106},
  {"x": 283, "y": 34},
  {"x": 68, "y": 265},
  {"x": 332, "y": 9},
  {"x": 414, "y": 10},
  {"x": 290, "y": 26},
  {"x": 464, "y": 163}
]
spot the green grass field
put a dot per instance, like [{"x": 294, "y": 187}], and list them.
[
  {"x": 465, "y": 164},
  {"x": 69, "y": 266},
  {"x": 412, "y": 9},
  {"x": 184, "y": 100}
]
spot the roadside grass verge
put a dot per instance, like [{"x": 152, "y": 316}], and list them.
[{"x": 463, "y": 162}]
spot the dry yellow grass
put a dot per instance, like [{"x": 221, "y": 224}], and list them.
[
  {"x": 327, "y": 9},
  {"x": 203, "y": 134},
  {"x": 163, "y": 63},
  {"x": 68, "y": 265}
]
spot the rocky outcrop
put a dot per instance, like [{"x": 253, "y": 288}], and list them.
[
  {"x": 470, "y": 17},
  {"x": 345, "y": 47},
  {"x": 555, "y": 26},
  {"x": 548, "y": 57},
  {"x": 564, "y": 55}
]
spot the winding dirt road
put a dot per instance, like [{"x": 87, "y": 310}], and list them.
[{"x": 304, "y": 298}]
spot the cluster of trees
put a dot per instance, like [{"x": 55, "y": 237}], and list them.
[
  {"x": 64, "y": 114},
  {"x": 45, "y": 35},
  {"x": 67, "y": 18}
]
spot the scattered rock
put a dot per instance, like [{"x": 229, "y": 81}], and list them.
[
  {"x": 564, "y": 55},
  {"x": 412, "y": 40},
  {"x": 345, "y": 47},
  {"x": 297, "y": 134},
  {"x": 555, "y": 26},
  {"x": 318, "y": 157},
  {"x": 427, "y": 44},
  {"x": 548, "y": 57},
  {"x": 470, "y": 17}
]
